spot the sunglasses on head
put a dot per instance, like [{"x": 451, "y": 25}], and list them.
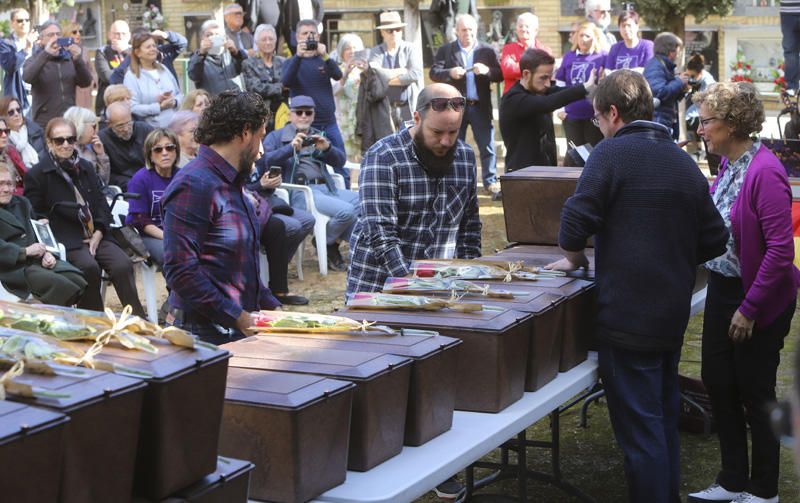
[
  {"x": 307, "y": 113},
  {"x": 169, "y": 148},
  {"x": 60, "y": 140},
  {"x": 4, "y": 131},
  {"x": 440, "y": 104}
]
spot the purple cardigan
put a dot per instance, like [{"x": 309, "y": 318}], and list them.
[{"x": 761, "y": 221}]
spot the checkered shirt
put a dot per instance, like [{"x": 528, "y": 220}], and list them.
[
  {"x": 408, "y": 215},
  {"x": 211, "y": 242}
]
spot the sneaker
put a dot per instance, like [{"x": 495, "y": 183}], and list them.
[
  {"x": 449, "y": 489},
  {"x": 714, "y": 492},
  {"x": 746, "y": 497}
]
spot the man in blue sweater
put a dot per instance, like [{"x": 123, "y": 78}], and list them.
[
  {"x": 654, "y": 222},
  {"x": 309, "y": 73}
]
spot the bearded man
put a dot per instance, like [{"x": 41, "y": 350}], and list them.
[
  {"x": 418, "y": 195},
  {"x": 211, "y": 232}
]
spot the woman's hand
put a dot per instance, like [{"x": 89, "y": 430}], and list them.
[
  {"x": 741, "y": 328},
  {"x": 94, "y": 242},
  {"x": 97, "y": 146},
  {"x": 35, "y": 250},
  {"x": 48, "y": 260}
]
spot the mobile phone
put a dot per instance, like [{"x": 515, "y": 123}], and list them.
[
  {"x": 65, "y": 41},
  {"x": 469, "y": 69},
  {"x": 275, "y": 171}
]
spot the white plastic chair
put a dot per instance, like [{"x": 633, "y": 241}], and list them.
[
  {"x": 148, "y": 271},
  {"x": 284, "y": 195},
  {"x": 320, "y": 233}
]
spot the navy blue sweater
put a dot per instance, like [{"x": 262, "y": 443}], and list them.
[
  {"x": 649, "y": 208},
  {"x": 312, "y": 77}
]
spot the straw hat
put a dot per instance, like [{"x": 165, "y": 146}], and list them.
[{"x": 389, "y": 20}]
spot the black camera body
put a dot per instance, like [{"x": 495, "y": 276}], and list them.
[
  {"x": 309, "y": 139},
  {"x": 311, "y": 43},
  {"x": 694, "y": 85}
]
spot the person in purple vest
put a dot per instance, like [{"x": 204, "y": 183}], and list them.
[{"x": 632, "y": 52}]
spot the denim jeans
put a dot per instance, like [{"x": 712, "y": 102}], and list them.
[
  {"x": 334, "y": 135},
  {"x": 644, "y": 404},
  {"x": 483, "y": 132},
  {"x": 299, "y": 225},
  {"x": 342, "y": 208},
  {"x": 790, "y": 28}
]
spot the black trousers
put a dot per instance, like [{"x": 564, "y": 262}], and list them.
[
  {"x": 582, "y": 131},
  {"x": 273, "y": 239},
  {"x": 108, "y": 257},
  {"x": 740, "y": 378}
]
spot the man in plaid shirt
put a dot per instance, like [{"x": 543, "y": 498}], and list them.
[
  {"x": 418, "y": 195},
  {"x": 211, "y": 233}
]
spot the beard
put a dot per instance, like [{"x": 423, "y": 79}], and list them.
[{"x": 436, "y": 166}]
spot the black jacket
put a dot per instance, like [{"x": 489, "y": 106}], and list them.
[
  {"x": 449, "y": 56},
  {"x": 526, "y": 123},
  {"x": 127, "y": 157},
  {"x": 45, "y": 186}
]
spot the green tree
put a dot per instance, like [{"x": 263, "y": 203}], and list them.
[{"x": 670, "y": 15}]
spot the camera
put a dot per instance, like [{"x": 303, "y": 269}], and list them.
[
  {"x": 311, "y": 137},
  {"x": 694, "y": 84},
  {"x": 308, "y": 141},
  {"x": 311, "y": 43}
]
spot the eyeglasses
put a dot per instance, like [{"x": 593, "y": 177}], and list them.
[
  {"x": 60, "y": 140},
  {"x": 77, "y": 32},
  {"x": 5, "y": 131},
  {"x": 440, "y": 104},
  {"x": 307, "y": 113},
  {"x": 596, "y": 119},
  {"x": 6, "y": 183},
  {"x": 704, "y": 122},
  {"x": 22, "y": 20},
  {"x": 122, "y": 125},
  {"x": 169, "y": 148},
  {"x": 13, "y": 111}
]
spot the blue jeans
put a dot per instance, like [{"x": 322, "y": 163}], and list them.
[
  {"x": 644, "y": 403},
  {"x": 334, "y": 135},
  {"x": 298, "y": 226},
  {"x": 790, "y": 28},
  {"x": 156, "y": 249},
  {"x": 483, "y": 131},
  {"x": 342, "y": 208}
]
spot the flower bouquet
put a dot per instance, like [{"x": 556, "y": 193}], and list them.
[
  {"x": 742, "y": 69},
  {"x": 478, "y": 269},
  {"x": 382, "y": 301},
  {"x": 310, "y": 323},
  {"x": 453, "y": 286}
]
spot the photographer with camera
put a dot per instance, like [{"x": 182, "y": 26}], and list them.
[
  {"x": 54, "y": 71},
  {"x": 216, "y": 66},
  {"x": 303, "y": 153},
  {"x": 309, "y": 73},
  {"x": 667, "y": 85}
]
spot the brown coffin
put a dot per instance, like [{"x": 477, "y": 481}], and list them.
[
  {"x": 545, "y": 328},
  {"x": 228, "y": 484},
  {"x": 532, "y": 201},
  {"x": 379, "y": 405},
  {"x": 492, "y": 360},
  {"x": 180, "y": 417},
  {"x": 31, "y": 452},
  {"x": 432, "y": 392},
  {"x": 104, "y": 410},
  {"x": 295, "y": 428},
  {"x": 538, "y": 255}
]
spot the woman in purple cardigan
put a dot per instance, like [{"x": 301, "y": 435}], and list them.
[{"x": 752, "y": 291}]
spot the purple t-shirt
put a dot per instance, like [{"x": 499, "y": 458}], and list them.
[
  {"x": 574, "y": 71},
  {"x": 147, "y": 209},
  {"x": 619, "y": 56}
]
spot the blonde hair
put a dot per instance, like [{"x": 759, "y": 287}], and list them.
[
  {"x": 191, "y": 97},
  {"x": 116, "y": 92},
  {"x": 597, "y": 36},
  {"x": 736, "y": 103}
]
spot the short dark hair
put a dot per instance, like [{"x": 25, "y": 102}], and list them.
[
  {"x": 533, "y": 58},
  {"x": 696, "y": 63},
  {"x": 229, "y": 115},
  {"x": 628, "y": 15},
  {"x": 305, "y": 22},
  {"x": 629, "y": 92}
]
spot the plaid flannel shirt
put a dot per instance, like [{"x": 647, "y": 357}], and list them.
[
  {"x": 211, "y": 242},
  {"x": 408, "y": 215}
]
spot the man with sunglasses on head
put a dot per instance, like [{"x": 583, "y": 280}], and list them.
[
  {"x": 123, "y": 141},
  {"x": 401, "y": 64},
  {"x": 471, "y": 67},
  {"x": 418, "y": 195},
  {"x": 54, "y": 71},
  {"x": 14, "y": 50}
]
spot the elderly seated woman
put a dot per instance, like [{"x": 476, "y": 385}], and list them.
[
  {"x": 26, "y": 267},
  {"x": 183, "y": 125}
]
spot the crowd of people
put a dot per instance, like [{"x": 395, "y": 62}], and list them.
[{"x": 205, "y": 166}]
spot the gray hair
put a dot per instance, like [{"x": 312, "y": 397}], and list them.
[
  {"x": 350, "y": 40},
  {"x": 262, "y": 28},
  {"x": 466, "y": 18},
  {"x": 209, "y": 24},
  {"x": 530, "y": 17},
  {"x": 666, "y": 42},
  {"x": 80, "y": 116},
  {"x": 592, "y": 5},
  {"x": 182, "y": 119}
]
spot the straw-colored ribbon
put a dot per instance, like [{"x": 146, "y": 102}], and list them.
[{"x": 15, "y": 371}]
